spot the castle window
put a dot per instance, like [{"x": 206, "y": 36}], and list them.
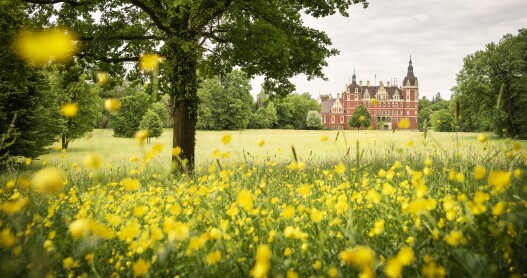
[
  {"x": 356, "y": 96},
  {"x": 408, "y": 105},
  {"x": 356, "y": 90},
  {"x": 415, "y": 112},
  {"x": 332, "y": 119},
  {"x": 348, "y": 97},
  {"x": 341, "y": 119}
]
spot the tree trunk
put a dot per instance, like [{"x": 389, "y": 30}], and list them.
[
  {"x": 65, "y": 142},
  {"x": 183, "y": 93}
]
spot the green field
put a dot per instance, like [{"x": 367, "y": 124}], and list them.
[
  {"x": 277, "y": 145},
  {"x": 362, "y": 203}
]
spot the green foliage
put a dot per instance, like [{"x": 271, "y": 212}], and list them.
[
  {"x": 263, "y": 117},
  {"x": 125, "y": 122},
  {"x": 70, "y": 85},
  {"x": 226, "y": 103},
  {"x": 443, "y": 120},
  {"x": 152, "y": 122},
  {"x": 491, "y": 87},
  {"x": 162, "y": 112},
  {"x": 26, "y": 100},
  {"x": 424, "y": 113},
  {"x": 313, "y": 120},
  {"x": 259, "y": 37},
  {"x": 360, "y": 118},
  {"x": 292, "y": 110}
]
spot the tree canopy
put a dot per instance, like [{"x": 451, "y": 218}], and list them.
[
  {"x": 258, "y": 36},
  {"x": 360, "y": 118},
  {"x": 491, "y": 87}
]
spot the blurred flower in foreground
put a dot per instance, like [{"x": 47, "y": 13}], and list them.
[
  {"x": 48, "y": 180},
  {"x": 226, "y": 139},
  {"x": 112, "y": 104},
  {"x": 404, "y": 124},
  {"x": 150, "y": 61},
  {"x": 93, "y": 161},
  {"x": 324, "y": 138},
  {"x": 69, "y": 110},
  {"x": 102, "y": 78},
  {"x": 140, "y": 136},
  {"x": 41, "y": 47}
]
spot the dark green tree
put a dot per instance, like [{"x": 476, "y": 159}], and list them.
[
  {"x": 491, "y": 87},
  {"x": 424, "y": 113},
  {"x": 313, "y": 120},
  {"x": 152, "y": 123},
  {"x": 292, "y": 110},
  {"x": 71, "y": 85},
  {"x": 266, "y": 37},
  {"x": 443, "y": 120},
  {"x": 161, "y": 111},
  {"x": 226, "y": 103},
  {"x": 26, "y": 100},
  {"x": 360, "y": 118},
  {"x": 264, "y": 117},
  {"x": 125, "y": 122}
]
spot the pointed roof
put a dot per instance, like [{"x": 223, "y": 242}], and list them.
[{"x": 410, "y": 77}]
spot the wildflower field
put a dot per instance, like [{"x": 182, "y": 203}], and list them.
[{"x": 271, "y": 203}]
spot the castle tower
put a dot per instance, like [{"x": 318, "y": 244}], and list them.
[{"x": 411, "y": 95}]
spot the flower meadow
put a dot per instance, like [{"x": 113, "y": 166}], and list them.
[{"x": 420, "y": 211}]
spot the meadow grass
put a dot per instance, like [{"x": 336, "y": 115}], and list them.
[{"x": 361, "y": 203}]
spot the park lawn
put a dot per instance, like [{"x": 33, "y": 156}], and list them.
[{"x": 277, "y": 145}]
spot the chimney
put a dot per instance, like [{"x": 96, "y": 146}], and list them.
[
  {"x": 360, "y": 83},
  {"x": 368, "y": 83},
  {"x": 388, "y": 84}
]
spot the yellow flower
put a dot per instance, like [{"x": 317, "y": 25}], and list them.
[
  {"x": 406, "y": 255},
  {"x": 479, "y": 172},
  {"x": 498, "y": 209},
  {"x": 226, "y": 139},
  {"x": 245, "y": 199},
  {"x": 69, "y": 110},
  {"x": 48, "y": 180},
  {"x": 324, "y": 138},
  {"x": 501, "y": 180},
  {"x": 7, "y": 239},
  {"x": 140, "y": 267},
  {"x": 150, "y": 62},
  {"x": 288, "y": 251},
  {"x": 112, "y": 104},
  {"x": 93, "y": 161},
  {"x": 482, "y": 138},
  {"x": 214, "y": 257},
  {"x": 28, "y": 161},
  {"x": 68, "y": 262},
  {"x": 288, "y": 212},
  {"x": 460, "y": 177},
  {"x": 404, "y": 123},
  {"x": 139, "y": 211},
  {"x": 340, "y": 168},
  {"x": 79, "y": 228},
  {"x": 260, "y": 142},
  {"x": 131, "y": 184},
  {"x": 102, "y": 78},
  {"x": 304, "y": 190},
  {"x": 378, "y": 228},
  {"x": 11, "y": 208},
  {"x": 393, "y": 268},
  {"x": 262, "y": 265},
  {"x": 359, "y": 256},
  {"x": 362, "y": 118},
  {"x": 140, "y": 136},
  {"x": 455, "y": 238},
  {"x": 374, "y": 101},
  {"x": 176, "y": 151},
  {"x": 317, "y": 265},
  {"x": 316, "y": 215},
  {"x": 42, "y": 47}
]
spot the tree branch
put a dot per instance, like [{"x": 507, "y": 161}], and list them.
[
  {"x": 43, "y": 2},
  {"x": 109, "y": 59},
  {"x": 125, "y": 38},
  {"x": 152, "y": 15}
]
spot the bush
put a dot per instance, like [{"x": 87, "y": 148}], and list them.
[
  {"x": 152, "y": 122},
  {"x": 125, "y": 123}
]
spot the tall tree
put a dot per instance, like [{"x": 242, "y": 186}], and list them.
[
  {"x": 26, "y": 100},
  {"x": 264, "y": 37},
  {"x": 360, "y": 118}
]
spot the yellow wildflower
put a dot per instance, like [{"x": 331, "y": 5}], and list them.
[
  {"x": 41, "y": 47},
  {"x": 102, "y": 77},
  {"x": 226, "y": 139},
  {"x": 260, "y": 142},
  {"x": 404, "y": 123},
  {"x": 482, "y": 138},
  {"x": 48, "y": 180},
  {"x": 150, "y": 61},
  {"x": 406, "y": 255},
  {"x": 340, "y": 168},
  {"x": 79, "y": 228},
  {"x": 213, "y": 257},
  {"x": 112, "y": 104},
  {"x": 262, "y": 265},
  {"x": 176, "y": 151},
  {"x": 69, "y": 110},
  {"x": 93, "y": 161},
  {"x": 455, "y": 238},
  {"x": 130, "y": 184},
  {"x": 378, "y": 228},
  {"x": 374, "y": 101},
  {"x": 324, "y": 138},
  {"x": 7, "y": 239},
  {"x": 501, "y": 180},
  {"x": 68, "y": 262},
  {"x": 479, "y": 172},
  {"x": 316, "y": 215},
  {"x": 288, "y": 212},
  {"x": 140, "y": 267},
  {"x": 245, "y": 199},
  {"x": 140, "y": 136}
]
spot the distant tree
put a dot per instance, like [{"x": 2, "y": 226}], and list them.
[
  {"x": 437, "y": 98},
  {"x": 264, "y": 117},
  {"x": 292, "y": 110},
  {"x": 26, "y": 99},
  {"x": 125, "y": 122},
  {"x": 360, "y": 118},
  {"x": 261, "y": 100},
  {"x": 152, "y": 123},
  {"x": 71, "y": 85},
  {"x": 313, "y": 120},
  {"x": 491, "y": 87},
  {"x": 161, "y": 111},
  {"x": 443, "y": 120},
  {"x": 270, "y": 111},
  {"x": 226, "y": 103},
  {"x": 424, "y": 113}
]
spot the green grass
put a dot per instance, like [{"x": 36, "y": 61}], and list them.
[{"x": 277, "y": 145}]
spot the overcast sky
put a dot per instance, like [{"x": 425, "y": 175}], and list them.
[{"x": 437, "y": 33}]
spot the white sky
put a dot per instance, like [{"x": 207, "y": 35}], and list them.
[{"x": 437, "y": 33}]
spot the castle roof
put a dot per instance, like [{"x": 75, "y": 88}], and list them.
[{"x": 325, "y": 107}]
